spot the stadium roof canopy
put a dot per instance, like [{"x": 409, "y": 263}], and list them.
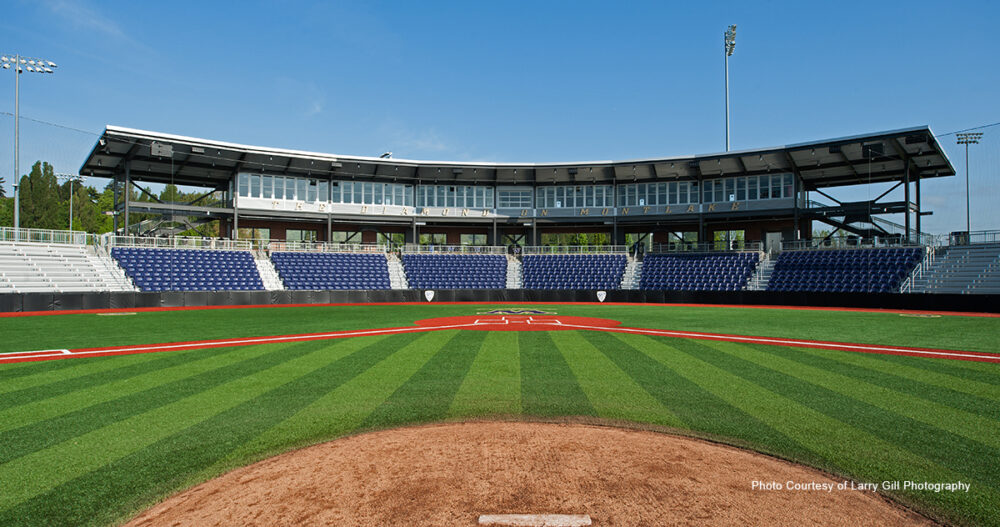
[{"x": 870, "y": 158}]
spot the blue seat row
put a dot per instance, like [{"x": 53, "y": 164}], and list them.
[
  {"x": 573, "y": 271},
  {"x": 189, "y": 269},
  {"x": 844, "y": 270},
  {"x": 322, "y": 271},
  {"x": 698, "y": 272},
  {"x": 455, "y": 271}
]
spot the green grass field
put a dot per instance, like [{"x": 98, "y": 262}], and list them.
[{"x": 92, "y": 441}]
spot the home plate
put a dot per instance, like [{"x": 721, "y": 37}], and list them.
[{"x": 536, "y": 520}]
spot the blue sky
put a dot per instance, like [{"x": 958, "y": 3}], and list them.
[{"x": 509, "y": 81}]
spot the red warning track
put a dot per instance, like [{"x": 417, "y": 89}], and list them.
[{"x": 500, "y": 323}]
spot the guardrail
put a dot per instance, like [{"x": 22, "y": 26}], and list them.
[
  {"x": 707, "y": 247},
  {"x": 322, "y": 247},
  {"x": 574, "y": 249},
  {"x": 10, "y": 234},
  {"x": 178, "y": 242},
  {"x": 845, "y": 243},
  {"x": 413, "y": 248}
]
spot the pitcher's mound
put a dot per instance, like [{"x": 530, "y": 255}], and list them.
[{"x": 450, "y": 474}]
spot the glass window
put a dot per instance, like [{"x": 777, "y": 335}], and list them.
[
  {"x": 708, "y": 191},
  {"x": 268, "y": 186},
  {"x": 300, "y": 189},
  {"x": 472, "y": 239},
  {"x": 367, "y": 199},
  {"x": 297, "y": 235},
  {"x": 244, "y": 185},
  {"x": 765, "y": 187},
  {"x": 358, "y": 191},
  {"x": 730, "y": 189},
  {"x": 408, "y": 196},
  {"x": 752, "y": 187},
  {"x": 440, "y": 200},
  {"x": 720, "y": 191},
  {"x": 323, "y": 190},
  {"x": 279, "y": 187},
  {"x": 776, "y": 186},
  {"x": 789, "y": 189},
  {"x": 378, "y": 193},
  {"x": 489, "y": 198},
  {"x": 450, "y": 197},
  {"x": 254, "y": 185},
  {"x": 311, "y": 189},
  {"x": 741, "y": 188}
]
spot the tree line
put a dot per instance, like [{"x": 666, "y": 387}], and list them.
[{"x": 45, "y": 204}]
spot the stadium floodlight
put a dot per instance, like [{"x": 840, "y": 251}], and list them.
[
  {"x": 968, "y": 138},
  {"x": 729, "y": 39},
  {"x": 21, "y": 64},
  {"x": 71, "y": 178}
]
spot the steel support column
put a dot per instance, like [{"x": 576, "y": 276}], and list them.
[
  {"x": 128, "y": 185},
  {"x": 906, "y": 198}
]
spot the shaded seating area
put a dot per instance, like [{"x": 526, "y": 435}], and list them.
[
  {"x": 844, "y": 270},
  {"x": 455, "y": 271},
  {"x": 324, "y": 271},
  {"x": 189, "y": 269},
  {"x": 698, "y": 272},
  {"x": 573, "y": 271}
]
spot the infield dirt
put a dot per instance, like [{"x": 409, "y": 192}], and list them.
[{"x": 449, "y": 474}]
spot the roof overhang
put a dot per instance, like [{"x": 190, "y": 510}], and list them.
[{"x": 869, "y": 158}]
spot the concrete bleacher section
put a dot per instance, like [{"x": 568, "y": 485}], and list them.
[
  {"x": 189, "y": 269},
  {"x": 40, "y": 268},
  {"x": 455, "y": 271},
  {"x": 573, "y": 271},
  {"x": 698, "y": 272},
  {"x": 844, "y": 270},
  {"x": 962, "y": 269},
  {"x": 325, "y": 271}
]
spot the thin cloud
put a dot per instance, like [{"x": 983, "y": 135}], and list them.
[{"x": 84, "y": 17}]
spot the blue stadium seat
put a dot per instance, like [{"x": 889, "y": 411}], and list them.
[
  {"x": 455, "y": 271},
  {"x": 573, "y": 271},
  {"x": 327, "y": 271},
  {"x": 698, "y": 272},
  {"x": 189, "y": 269},
  {"x": 844, "y": 270}
]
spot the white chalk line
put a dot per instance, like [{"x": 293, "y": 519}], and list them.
[
  {"x": 18, "y": 355},
  {"x": 785, "y": 342}
]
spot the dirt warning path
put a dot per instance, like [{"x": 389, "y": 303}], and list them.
[{"x": 449, "y": 474}]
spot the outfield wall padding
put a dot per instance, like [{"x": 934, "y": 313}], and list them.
[{"x": 23, "y": 302}]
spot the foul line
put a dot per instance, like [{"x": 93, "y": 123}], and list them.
[{"x": 25, "y": 356}]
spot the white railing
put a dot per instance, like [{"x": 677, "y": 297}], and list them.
[
  {"x": 574, "y": 249},
  {"x": 275, "y": 246},
  {"x": 177, "y": 242},
  {"x": 918, "y": 272},
  {"x": 708, "y": 247},
  {"x": 9, "y": 234},
  {"x": 413, "y": 248}
]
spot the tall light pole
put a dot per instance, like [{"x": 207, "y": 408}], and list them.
[
  {"x": 21, "y": 64},
  {"x": 968, "y": 138},
  {"x": 730, "y": 40},
  {"x": 71, "y": 178}
]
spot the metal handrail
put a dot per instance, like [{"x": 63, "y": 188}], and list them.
[
  {"x": 413, "y": 248},
  {"x": 574, "y": 249},
  {"x": 322, "y": 247},
  {"x": 708, "y": 247},
  {"x": 10, "y": 234}
]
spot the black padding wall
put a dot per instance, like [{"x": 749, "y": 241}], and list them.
[{"x": 76, "y": 301}]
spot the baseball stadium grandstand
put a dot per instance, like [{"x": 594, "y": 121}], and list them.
[{"x": 736, "y": 222}]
